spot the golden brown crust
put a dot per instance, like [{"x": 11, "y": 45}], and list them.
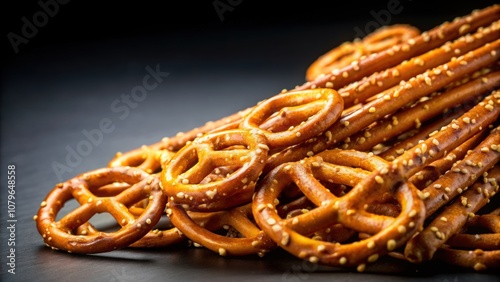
[
  {"x": 348, "y": 210},
  {"x": 62, "y": 233},
  {"x": 182, "y": 178}
]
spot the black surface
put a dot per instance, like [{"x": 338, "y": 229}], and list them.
[{"x": 67, "y": 77}]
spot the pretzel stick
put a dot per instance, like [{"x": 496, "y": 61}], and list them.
[
  {"x": 489, "y": 224},
  {"x": 478, "y": 260},
  {"x": 360, "y": 91},
  {"x": 433, "y": 171},
  {"x": 463, "y": 174},
  {"x": 398, "y": 53},
  {"x": 448, "y": 222},
  {"x": 417, "y": 87},
  {"x": 421, "y": 133},
  {"x": 406, "y": 118},
  {"x": 472, "y": 255}
]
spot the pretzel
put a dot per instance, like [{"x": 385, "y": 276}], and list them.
[
  {"x": 411, "y": 138},
  {"x": 433, "y": 171},
  {"x": 349, "y": 210},
  {"x": 489, "y": 224},
  {"x": 387, "y": 36},
  {"x": 475, "y": 251},
  {"x": 148, "y": 158},
  {"x": 381, "y": 39},
  {"x": 249, "y": 239},
  {"x": 377, "y": 82},
  {"x": 390, "y": 101},
  {"x": 463, "y": 174},
  {"x": 295, "y": 116},
  {"x": 181, "y": 179},
  {"x": 404, "y": 119},
  {"x": 420, "y": 44},
  {"x": 61, "y": 234}
]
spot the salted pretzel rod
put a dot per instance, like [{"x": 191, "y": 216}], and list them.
[
  {"x": 479, "y": 260},
  {"x": 462, "y": 174},
  {"x": 418, "y": 45},
  {"x": 410, "y": 117},
  {"x": 433, "y": 171},
  {"x": 360, "y": 91},
  {"x": 481, "y": 222},
  {"x": 410, "y": 139},
  {"x": 389, "y": 102},
  {"x": 423, "y": 246}
]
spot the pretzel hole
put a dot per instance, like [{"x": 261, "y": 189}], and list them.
[
  {"x": 67, "y": 207},
  {"x": 104, "y": 222},
  {"x": 290, "y": 117}
]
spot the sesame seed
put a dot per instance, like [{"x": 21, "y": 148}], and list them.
[
  {"x": 391, "y": 245},
  {"x": 342, "y": 260},
  {"x": 285, "y": 239},
  {"x": 373, "y": 258},
  {"x": 402, "y": 229},
  {"x": 371, "y": 245},
  {"x": 222, "y": 252},
  {"x": 271, "y": 221}
]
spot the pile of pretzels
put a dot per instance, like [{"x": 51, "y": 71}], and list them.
[{"x": 390, "y": 148}]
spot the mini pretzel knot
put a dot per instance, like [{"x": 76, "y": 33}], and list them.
[
  {"x": 184, "y": 178},
  {"x": 63, "y": 233},
  {"x": 350, "y": 209}
]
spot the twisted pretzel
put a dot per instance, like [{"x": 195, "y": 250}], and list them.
[
  {"x": 62, "y": 233},
  {"x": 379, "y": 40},
  {"x": 295, "y": 117},
  {"x": 148, "y": 158},
  {"x": 349, "y": 210},
  {"x": 243, "y": 238},
  {"x": 182, "y": 177}
]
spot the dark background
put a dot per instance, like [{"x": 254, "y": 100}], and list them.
[{"x": 65, "y": 78}]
